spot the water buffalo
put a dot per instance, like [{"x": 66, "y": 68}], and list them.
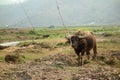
[{"x": 83, "y": 41}]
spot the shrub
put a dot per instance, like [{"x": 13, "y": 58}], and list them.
[
  {"x": 111, "y": 61},
  {"x": 61, "y": 44},
  {"x": 32, "y": 32},
  {"x": 47, "y": 45},
  {"x": 26, "y": 43},
  {"x": 107, "y": 34},
  {"x": 16, "y": 58},
  {"x": 101, "y": 58}
]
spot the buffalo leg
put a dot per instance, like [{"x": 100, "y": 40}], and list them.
[
  {"x": 95, "y": 52},
  {"x": 80, "y": 59},
  {"x": 88, "y": 55}
]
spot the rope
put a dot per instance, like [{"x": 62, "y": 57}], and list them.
[
  {"x": 29, "y": 20},
  {"x": 26, "y": 14},
  {"x": 61, "y": 18}
]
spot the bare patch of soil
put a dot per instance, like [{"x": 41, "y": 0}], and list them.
[{"x": 60, "y": 67}]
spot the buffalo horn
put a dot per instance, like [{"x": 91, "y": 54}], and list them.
[
  {"x": 68, "y": 36},
  {"x": 83, "y": 36}
]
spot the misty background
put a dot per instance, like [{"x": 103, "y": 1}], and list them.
[{"x": 45, "y": 13}]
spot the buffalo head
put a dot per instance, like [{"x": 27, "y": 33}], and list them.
[{"x": 76, "y": 40}]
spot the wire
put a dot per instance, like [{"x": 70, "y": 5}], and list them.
[
  {"x": 60, "y": 13},
  {"x": 29, "y": 20},
  {"x": 26, "y": 14},
  {"x": 61, "y": 18}
]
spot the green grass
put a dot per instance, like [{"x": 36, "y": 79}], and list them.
[
  {"x": 57, "y": 40},
  {"x": 29, "y": 56},
  {"x": 26, "y": 34},
  {"x": 1, "y": 58},
  {"x": 108, "y": 46}
]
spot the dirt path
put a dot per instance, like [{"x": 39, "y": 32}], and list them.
[{"x": 10, "y": 43}]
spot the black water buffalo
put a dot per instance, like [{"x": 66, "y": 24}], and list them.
[{"x": 83, "y": 41}]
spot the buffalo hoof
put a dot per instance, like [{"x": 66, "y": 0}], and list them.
[
  {"x": 94, "y": 58},
  {"x": 79, "y": 64}
]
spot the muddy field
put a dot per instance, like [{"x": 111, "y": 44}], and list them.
[
  {"x": 60, "y": 67},
  {"x": 52, "y": 59}
]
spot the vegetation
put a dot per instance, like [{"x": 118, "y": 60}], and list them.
[
  {"x": 106, "y": 33},
  {"x": 27, "y": 34},
  {"x": 53, "y": 52}
]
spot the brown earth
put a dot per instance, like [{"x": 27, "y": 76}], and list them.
[
  {"x": 60, "y": 63},
  {"x": 59, "y": 67}
]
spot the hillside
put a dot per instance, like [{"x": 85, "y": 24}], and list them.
[{"x": 74, "y": 12}]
